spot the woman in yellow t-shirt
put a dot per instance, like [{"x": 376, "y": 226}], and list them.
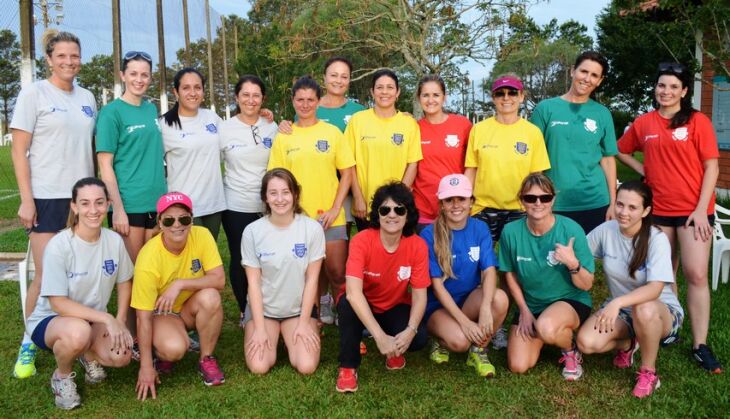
[
  {"x": 386, "y": 144},
  {"x": 315, "y": 152}
]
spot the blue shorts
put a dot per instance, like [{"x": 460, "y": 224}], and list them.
[
  {"x": 39, "y": 333},
  {"x": 435, "y": 304},
  {"x": 51, "y": 215},
  {"x": 673, "y": 336}
]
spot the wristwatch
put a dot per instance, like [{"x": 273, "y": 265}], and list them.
[{"x": 576, "y": 270}]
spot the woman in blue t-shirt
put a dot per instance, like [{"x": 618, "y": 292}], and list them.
[{"x": 464, "y": 306}]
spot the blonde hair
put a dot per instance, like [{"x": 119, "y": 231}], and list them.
[{"x": 53, "y": 36}]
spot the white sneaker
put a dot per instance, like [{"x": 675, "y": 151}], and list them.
[
  {"x": 94, "y": 371},
  {"x": 326, "y": 315},
  {"x": 499, "y": 340},
  {"x": 65, "y": 391}
]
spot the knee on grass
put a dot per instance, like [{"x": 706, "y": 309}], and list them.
[{"x": 171, "y": 349}]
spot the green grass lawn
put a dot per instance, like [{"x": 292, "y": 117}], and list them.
[{"x": 422, "y": 389}]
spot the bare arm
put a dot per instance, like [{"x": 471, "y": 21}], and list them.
[
  {"x": 608, "y": 164},
  {"x": 606, "y": 317},
  {"x": 213, "y": 278},
  {"x": 403, "y": 339},
  {"x": 21, "y": 164},
  {"x": 147, "y": 377},
  {"x": 343, "y": 188},
  {"x": 409, "y": 175},
  {"x": 471, "y": 174},
  {"x": 359, "y": 204},
  {"x": 120, "y": 220}
]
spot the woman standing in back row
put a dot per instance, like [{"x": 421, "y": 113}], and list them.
[{"x": 52, "y": 128}]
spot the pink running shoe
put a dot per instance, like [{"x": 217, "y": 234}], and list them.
[
  {"x": 211, "y": 372},
  {"x": 573, "y": 370},
  {"x": 625, "y": 359},
  {"x": 395, "y": 363},
  {"x": 646, "y": 382},
  {"x": 346, "y": 380}
]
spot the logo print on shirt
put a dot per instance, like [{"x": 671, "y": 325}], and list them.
[
  {"x": 347, "y": 119},
  {"x": 196, "y": 266},
  {"x": 267, "y": 142},
  {"x": 404, "y": 273},
  {"x": 521, "y": 148},
  {"x": 323, "y": 146},
  {"x": 554, "y": 123},
  {"x": 590, "y": 125},
  {"x": 133, "y": 128},
  {"x": 57, "y": 109},
  {"x": 211, "y": 128},
  {"x": 452, "y": 140},
  {"x": 651, "y": 137},
  {"x": 109, "y": 267},
  {"x": 474, "y": 253},
  {"x": 551, "y": 258},
  {"x": 87, "y": 111},
  {"x": 680, "y": 134},
  {"x": 397, "y": 139},
  {"x": 300, "y": 249}
]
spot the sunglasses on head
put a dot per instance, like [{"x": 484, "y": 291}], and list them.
[
  {"x": 676, "y": 68},
  {"x": 131, "y": 55},
  {"x": 385, "y": 210},
  {"x": 531, "y": 199},
  {"x": 184, "y": 220},
  {"x": 505, "y": 93}
]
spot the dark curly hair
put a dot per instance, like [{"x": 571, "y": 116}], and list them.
[{"x": 401, "y": 195}]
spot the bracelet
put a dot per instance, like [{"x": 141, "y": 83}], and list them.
[
  {"x": 415, "y": 331},
  {"x": 576, "y": 270}
]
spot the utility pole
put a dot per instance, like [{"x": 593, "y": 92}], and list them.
[
  {"x": 210, "y": 57},
  {"x": 27, "y": 43},
  {"x": 225, "y": 67},
  {"x": 117, "y": 48},
  {"x": 161, "y": 53},
  {"x": 186, "y": 30},
  {"x": 235, "y": 46}
]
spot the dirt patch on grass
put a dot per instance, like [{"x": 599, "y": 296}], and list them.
[{"x": 8, "y": 225}]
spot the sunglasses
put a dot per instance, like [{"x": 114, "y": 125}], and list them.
[
  {"x": 255, "y": 134},
  {"x": 505, "y": 93},
  {"x": 385, "y": 210},
  {"x": 184, "y": 220},
  {"x": 531, "y": 199},
  {"x": 676, "y": 68},
  {"x": 131, "y": 55}
]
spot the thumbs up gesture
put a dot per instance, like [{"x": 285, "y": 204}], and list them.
[{"x": 565, "y": 254}]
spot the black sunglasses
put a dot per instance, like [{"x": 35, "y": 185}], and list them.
[
  {"x": 531, "y": 199},
  {"x": 676, "y": 68},
  {"x": 183, "y": 220},
  {"x": 131, "y": 55},
  {"x": 385, "y": 210},
  {"x": 505, "y": 93}
]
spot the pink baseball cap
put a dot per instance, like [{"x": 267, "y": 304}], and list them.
[
  {"x": 171, "y": 198},
  {"x": 507, "y": 81},
  {"x": 454, "y": 185}
]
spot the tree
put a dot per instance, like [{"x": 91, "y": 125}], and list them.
[
  {"x": 97, "y": 75},
  {"x": 541, "y": 55},
  {"x": 9, "y": 74}
]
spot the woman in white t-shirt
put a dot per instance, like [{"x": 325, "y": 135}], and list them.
[
  {"x": 52, "y": 128},
  {"x": 245, "y": 145},
  {"x": 642, "y": 310},
  {"x": 83, "y": 265},
  {"x": 190, "y": 138},
  {"x": 282, "y": 254}
]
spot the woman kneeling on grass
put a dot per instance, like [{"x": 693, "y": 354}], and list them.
[
  {"x": 642, "y": 310},
  {"x": 385, "y": 260},
  {"x": 464, "y": 307},
  {"x": 282, "y": 254},
  {"x": 549, "y": 270},
  {"x": 81, "y": 266}
]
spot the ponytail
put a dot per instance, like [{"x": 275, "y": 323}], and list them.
[{"x": 442, "y": 245}]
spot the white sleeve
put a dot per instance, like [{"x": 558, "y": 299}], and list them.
[
  {"x": 659, "y": 259},
  {"x": 595, "y": 241},
  {"x": 25, "y": 113},
  {"x": 55, "y": 271},
  {"x": 248, "y": 248}
]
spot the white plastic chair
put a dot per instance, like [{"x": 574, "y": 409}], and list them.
[
  {"x": 26, "y": 272},
  {"x": 720, "y": 247}
]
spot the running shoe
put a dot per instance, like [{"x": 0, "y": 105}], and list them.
[
  {"x": 625, "y": 359},
  {"x": 65, "y": 391},
  {"x": 25, "y": 364},
  {"x": 439, "y": 354},
  {"x": 211, "y": 372},
  {"x": 395, "y": 363},
  {"x": 478, "y": 359},
  {"x": 241, "y": 322},
  {"x": 573, "y": 370},
  {"x": 135, "y": 350},
  {"x": 646, "y": 382},
  {"x": 499, "y": 340},
  {"x": 326, "y": 315},
  {"x": 363, "y": 348},
  {"x": 164, "y": 367},
  {"x": 346, "y": 380},
  {"x": 707, "y": 360},
  {"x": 94, "y": 371},
  {"x": 194, "y": 341}
]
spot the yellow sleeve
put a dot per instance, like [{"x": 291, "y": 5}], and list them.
[
  {"x": 344, "y": 157},
  {"x": 210, "y": 258},
  {"x": 414, "y": 145},
  {"x": 472, "y": 160},
  {"x": 276, "y": 158},
  {"x": 145, "y": 283}
]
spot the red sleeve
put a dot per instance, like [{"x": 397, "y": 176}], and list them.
[
  {"x": 629, "y": 142},
  {"x": 419, "y": 276},
  {"x": 357, "y": 256},
  {"x": 706, "y": 138}
]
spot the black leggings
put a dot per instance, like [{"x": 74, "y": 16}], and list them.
[{"x": 233, "y": 224}]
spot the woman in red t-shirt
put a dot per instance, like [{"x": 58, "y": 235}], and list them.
[
  {"x": 385, "y": 260},
  {"x": 681, "y": 166},
  {"x": 443, "y": 144}
]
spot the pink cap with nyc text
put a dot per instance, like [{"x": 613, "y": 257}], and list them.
[
  {"x": 454, "y": 185},
  {"x": 171, "y": 198}
]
